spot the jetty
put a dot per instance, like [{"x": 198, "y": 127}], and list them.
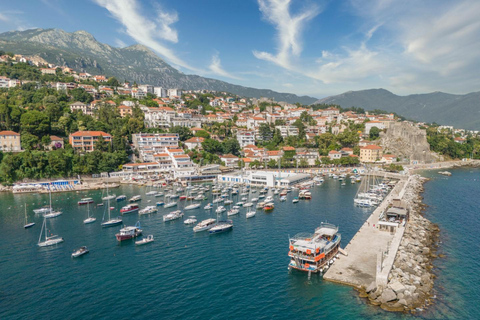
[{"x": 371, "y": 251}]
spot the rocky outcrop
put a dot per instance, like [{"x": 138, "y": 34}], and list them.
[{"x": 410, "y": 281}]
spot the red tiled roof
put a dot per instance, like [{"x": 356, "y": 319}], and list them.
[
  {"x": 9, "y": 133},
  {"x": 90, "y": 134},
  {"x": 372, "y": 147}
]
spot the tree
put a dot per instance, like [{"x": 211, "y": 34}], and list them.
[
  {"x": 183, "y": 132},
  {"x": 301, "y": 128},
  {"x": 374, "y": 133},
  {"x": 231, "y": 146},
  {"x": 35, "y": 122},
  {"x": 113, "y": 82},
  {"x": 265, "y": 133},
  {"x": 212, "y": 146},
  {"x": 272, "y": 163},
  {"x": 303, "y": 163},
  {"x": 79, "y": 94},
  {"x": 202, "y": 134}
]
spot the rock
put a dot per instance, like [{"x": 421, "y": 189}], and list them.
[
  {"x": 397, "y": 287},
  {"x": 371, "y": 287},
  {"x": 425, "y": 279},
  {"x": 402, "y": 302},
  {"x": 387, "y": 295}
]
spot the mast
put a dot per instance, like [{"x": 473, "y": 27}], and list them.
[{"x": 25, "y": 213}]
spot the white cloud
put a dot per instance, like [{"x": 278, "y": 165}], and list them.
[
  {"x": 216, "y": 68},
  {"x": 119, "y": 43},
  {"x": 3, "y": 18},
  {"x": 145, "y": 31},
  {"x": 289, "y": 29}
]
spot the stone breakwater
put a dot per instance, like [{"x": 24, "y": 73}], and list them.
[{"x": 410, "y": 281}]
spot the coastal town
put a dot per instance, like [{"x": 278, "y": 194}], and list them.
[{"x": 86, "y": 132}]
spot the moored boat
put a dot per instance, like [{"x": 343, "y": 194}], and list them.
[
  {"x": 174, "y": 215},
  {"x": 190, "y": 220},
  {"x": 250, "y": 214},
  {"x": 170, "y": 204},
  {"x": 85, "y": 201},
  {"x": 121, "y": 197},
  {"x": 129, "y": 232},
  {"x": 135, "y": 198},
  {"x": 221, "y": 226},
  {"x": 204, "y": 225},
  {"x": 192, "y": 206},
  {"x": 80, "y": 252},
  {"x": 146, "y": 240},
  {"x": 148, "y": 210},
  {"x": 129, "y": 209},
  {"x": 268, "y": 206}
]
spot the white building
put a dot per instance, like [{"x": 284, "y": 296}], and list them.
[
  {"x": 264, "y": 178},
  {"x": 287, "y": 131},
  {"x": 146, "y": 88},
  {"x": 160, "y": 92},
  {"x": 370, "y": 124},
  {"x": 150, "y": 144},
  {"x": 174, "y": 93},
  {"x": 245, "y": 138}
]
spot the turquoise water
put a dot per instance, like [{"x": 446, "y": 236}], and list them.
[{"x": 239, "y": 274}]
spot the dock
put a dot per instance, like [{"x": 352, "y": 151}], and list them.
[{"x": 369, "y": 246}]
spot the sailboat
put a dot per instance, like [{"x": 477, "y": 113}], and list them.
[
  {"x": 109, "y": 196},
  {"x": 110, "y": 222},
  {"x": 192, "y": 205},
  {"x": 52, "y": 213},
  {"x": 89, "y": 219},
  {"x": 27, "y": 225},
  {"x": 49, "y": 241}
]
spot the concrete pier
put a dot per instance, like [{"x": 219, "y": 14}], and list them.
[{"x": 367, "y": 249}]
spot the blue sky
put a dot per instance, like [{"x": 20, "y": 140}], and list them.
[{"x": 312, "y": 47}]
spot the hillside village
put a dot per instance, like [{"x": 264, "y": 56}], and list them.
[{"x": 149, "y": 129}]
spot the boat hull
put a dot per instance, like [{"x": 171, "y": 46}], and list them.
[
  {"x": 29, "y": 225},
  {"x": 121, "y": 237},
  {"x": 108, "y": 224}
]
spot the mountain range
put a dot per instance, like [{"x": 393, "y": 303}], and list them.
[
  {"x": 82, "y": 52},
  {"x": 460, "y": 111}
]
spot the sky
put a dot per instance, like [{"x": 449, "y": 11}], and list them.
[{"x": 307, "y": 47}]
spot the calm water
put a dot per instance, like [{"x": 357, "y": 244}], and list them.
[{"x": 237, "y": 275}]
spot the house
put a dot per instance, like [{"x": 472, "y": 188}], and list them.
[
  {"x": 84, "y": 108},
  {"x": 85, "y": 140},
  {"x": 125, "y": 110},
  {"x": 333, "y": 155},
  {"x": 459, "y": 140},
  {"x": 389, "y": 158},
  {"x": 371, "y": 153},
  {"x": 56, "y": 143},
  {"x": 347, "y": 151},
  {"x": 10, "y": 141},
  {"x": 370, "y": 124},
  {"x": 245, "y": 138},
  {"x": 230, "y": 160},
  {"x": 48, "y": 71},
  {"x": 193, "y": 143}
]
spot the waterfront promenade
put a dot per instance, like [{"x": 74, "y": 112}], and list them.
[{"x": 359, "y": 268}]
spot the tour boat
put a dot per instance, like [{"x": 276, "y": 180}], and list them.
[
  {"x": 248, "y": 204},
  {"x": 135, "y": 198},
  {"x": 27, "y": 225},
  {"x": 84, "y": 201},
  {"x": 49, "y": 241},
  {"x": 220, "y": 209},
  {"x": 129, "y": 232},
  {"x": 148, "y": 210},
  {"x": 121, "y": 198},
  {"x": 170, "y": 204},
  {"x": 89, "y": 219},
  {"x": 190, "y": 220},
  {"x": 268, "y": 206},
  {"x": 146, "y": 240},
  {"x": 129, "y": 208},
  {"x": 283, "y": 198},
  {"x": 233, "y": 212},
  {"x": 173, "y": 215},
  {"x": 80, "y": 252},
  {"x": 204, "y": 225},
  {"x": 251, "y": 214},
  {"x": 208, "y": 206},
  {"x": 192, "y": 206},
  {"x": 313, "y": 252},
  {"x": 221, "y": 226}
]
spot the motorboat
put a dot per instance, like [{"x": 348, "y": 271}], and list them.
[
  {"x": 183, "y": 197},
  {"x": 220, "y": 209},
  {"x": 250, "y": 214},
  {"x": 135, "y": 198},
  {"x": 228, "y": 202},
  {"x": 260, "y": 205},
  {"x": 146, "y": 240},
  {"x": 233, "y": 212},
  {"x": 283, "y": 198},
  {"x": 148, "y": 210},
  {"x": 268, "y": 206},
  {"x": 204, "y": 225},
  {"x": 208, "y": 206},
  {"x": 295, "y": 200},
  {"x": 174, "y": 215},
  {"x": 170, "y": 204},
  {"x": 85, "y": 201},
  {"x": 192, "y": 206},
  {"x": 129, "y": 208},
  {"x": 248, "y": 204},
  {"x": 244, "y": 199},
  {"x": 109, "y": 197},
  {"x": 151, "y": 193},
  {"x": 190, "y": 220},
  {"x": 269, "y": 199},
  {"x": 80, "y": 252},
  {"x": 121, "y": 198},
  {"x": 221, "y": 226},
  {"x": 129, "y": 232},
  {"x": 254, "y": 199},
  {"x": 240, "y": 203},
  {"x": 283, "y": 193},
  {"x": 160, "y": 203}
]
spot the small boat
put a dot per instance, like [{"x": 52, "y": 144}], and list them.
[
  {"x": 192, "y": 206},
  {"x": 80, "y": 252},
  {"x": 99, "y": 205},
  {"x": 208, "y": 206},
  {"x": 89, "y": 219},
  {"x": 129, "y": 209},
  {"x": 228, "y": 202},
  {"x": 121, "y": 198},
  {"x": 233, "y": 212},
  {"x": 170, "y": 204},
  {"x": 260, "y": 205},
  {"x": 198, "y": 198},
  {"x": 269, "y": 199},
  {"x": 343, "y": 184},
  {"x": 190, "y": 220},
  {"x": 27, "y": 225},
  {"x": 221, "y": 226},
  {"x": 217, "y": 200},
  {"x": 283, "y": 193},
  {"x": 261, "y": 196},
  {"x": 135, "y": 198},
  {"x": 220, "y": 209},
  {"x": 129, "y": 232},
  {"x": 244, "y": 199},
  {"x": 148, "y": 210},
  {"x": 52, "y": 214},
  {"x": 173, "y": 196},
  {"x": 174, "y": 215},
  {"x": 151, "y": 193},
  {"x": 160, "y": 203},
  {"x": 295, "y": 200},
  {"x": 110, "y": 222},
  {"x": 268, "y": 206},
  {"x": 445, "y": 173},
  {"x": 144, "y": 240},
  {"x": 276, "y": 191},
  {"x": 183, "y": 197},
  {"x": 283, "y": 198},
  {"x": 159, "y": 195},
  {"x": 109, "y": 197},
  {"x": 42, "y": 210},
  {"x": 204, "y": 225},
  {"x": 251, "y": 214},
  {"x": 248, "y": 204},
  {"x": 84, "y": 201},
  {"x": 49, "y": 241},
  {"x": 254, "y": 199},
  {"x": 241, "y": 203}
]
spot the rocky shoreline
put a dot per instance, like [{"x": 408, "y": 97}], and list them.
[{"x": 410, "y": 281}]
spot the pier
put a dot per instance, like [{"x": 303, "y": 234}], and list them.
[{"x": 371, "y": 252}]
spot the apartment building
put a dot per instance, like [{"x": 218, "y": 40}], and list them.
[
  {"x": 10, "y": 141},
  {"x": 86, "y": 140}
]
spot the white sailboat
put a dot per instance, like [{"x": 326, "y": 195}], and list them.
[
  {"x": 89, "y": 219},
  {"x": 110, "y": 222},
  {"x": 49, "y": 241},
  {"x": 27, "y": 225},
  {"x": 51, "y": 213}
]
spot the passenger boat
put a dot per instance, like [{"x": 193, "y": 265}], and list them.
[
  {"x": 80, "y": 252},
  {"x": 204, "y": 225},
  {"x": 250, "y": 214},
  {"x": 190, "y": 220},
  {"x": 221, "y": 226},
  {"x": 146, "y": 240},
  {"x": 129, "y": 209},
  {"x": 129, "y": 232},
  {"x": 314, "y": 252},
  {"x": 135, "y": 198},
  {"x": 148, "y": 210},
  {"x": 85, "y": 201},
  {"x": 121, "y": 198},
  {"x": 174, "y": 215},
  {"x": 170, "y": 204},
  {"x": 268, "y": 206}
]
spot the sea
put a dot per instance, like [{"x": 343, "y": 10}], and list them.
[{"x": 241, "y": 274}]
